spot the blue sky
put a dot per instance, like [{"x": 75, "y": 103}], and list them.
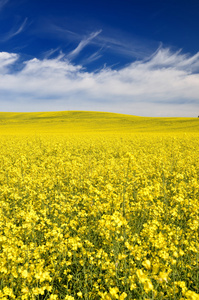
[{"x": 134, "y": 56}]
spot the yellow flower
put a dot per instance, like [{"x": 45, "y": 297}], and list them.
[
  {"x": 147, "y": 264},
  {"x": 69, "y": 297},
  {"x": 8, "y": 292},
  {"x": 79, "y": 294},
  {"x": 53, "y": 297},
  {"x": 123, "y": 296},
  {"x": 25, "y": 290},
  {"x": 192, "y": 295},
  {"x": 24, "y": 274},
  {"x": 148, "y": 286},
  {"x": 114, "y": 292},
  {"x": 133, "y": 286},
  {"x": 142, "y": 277},
  {"x": 162, "y": 277},
  {"x": 181, "y": 284},
  {"x": 155, "y": 268}
]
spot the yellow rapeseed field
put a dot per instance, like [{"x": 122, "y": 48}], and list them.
[{"x": 98, "y": 206}]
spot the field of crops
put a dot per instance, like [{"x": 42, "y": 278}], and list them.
[{"x": 98, "y": 206}]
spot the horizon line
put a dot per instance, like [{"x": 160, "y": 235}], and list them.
[{"x": 91, "y": 111}]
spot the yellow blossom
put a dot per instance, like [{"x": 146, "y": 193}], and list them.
[{"x": 79, "y": 294}]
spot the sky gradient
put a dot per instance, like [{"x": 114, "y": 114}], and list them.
[{"x": 134, "y": 56}]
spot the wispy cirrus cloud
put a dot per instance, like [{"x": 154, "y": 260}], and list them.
[
  {"x": 51, "y": 52},
  {"x": 14, "y": 31},
  {"x": 181, "y": 61},
  {"x": 60, "y": 31},
  {"x": 3, "y": 3},
  {"x": 84, "y": 42},
  {"x": 126, "y": 47},
  {"x": 93, "y": 57},
  {"x": 167, "y": 84},
  {"x": 20, "y": 29},
  {"x": 122, "y": 46}
]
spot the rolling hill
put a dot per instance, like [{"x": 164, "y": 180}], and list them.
[{"x": 87, "y": 121}]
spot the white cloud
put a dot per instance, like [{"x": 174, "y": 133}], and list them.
[
  {"x": 165, "y": 85},
  {"x": 6, "y": 59},
  {"x": 164, "y": 57}
]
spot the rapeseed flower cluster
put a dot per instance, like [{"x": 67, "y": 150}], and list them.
[{"x": 113, "y": 216}]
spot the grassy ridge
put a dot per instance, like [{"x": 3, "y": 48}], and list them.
[{"x": 84, "y": 121}]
